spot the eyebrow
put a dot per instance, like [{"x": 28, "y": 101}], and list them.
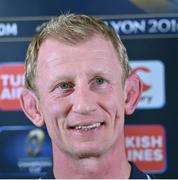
[{"x": 100, "y": 72}]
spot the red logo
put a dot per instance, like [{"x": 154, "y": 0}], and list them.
[
  {"x": 11, "y": 82},
  {"x": 145, "y": 145}
]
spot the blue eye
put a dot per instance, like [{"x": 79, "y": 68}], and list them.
[
  {"x": 100, "y": 80},
  {"x": 65, "y": 85},
  {"x": 99, "y": 84}
]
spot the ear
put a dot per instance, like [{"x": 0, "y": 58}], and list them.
[
  {"x": 133, "y": 90},
  {"x": 30, "y": 105}
]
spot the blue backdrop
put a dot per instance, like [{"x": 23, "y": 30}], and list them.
[{"x": 149, "y": 31}]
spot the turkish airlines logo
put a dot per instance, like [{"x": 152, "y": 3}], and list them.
[
  {"x": 145, "y": 145},
  {"x": 152, "y": 74},
  {"x": 11, "y": 82}
]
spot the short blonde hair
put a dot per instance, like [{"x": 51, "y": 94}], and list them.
[{"x": 72, "y": 29}]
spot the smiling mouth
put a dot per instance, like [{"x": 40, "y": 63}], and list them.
[{"x": 88, "y": 127}]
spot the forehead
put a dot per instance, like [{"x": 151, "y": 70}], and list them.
[{"x": 96, "y": 53}]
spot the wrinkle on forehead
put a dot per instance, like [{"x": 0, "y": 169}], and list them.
[
  {"x": 53, "y": 53},
  {"x": 99, "y": 42}
]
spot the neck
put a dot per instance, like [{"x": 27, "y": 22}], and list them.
[{"x": 113, "y": 164}]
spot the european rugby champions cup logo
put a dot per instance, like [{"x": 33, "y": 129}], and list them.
[
  {"x": 11, "y": 82},
  {"x": 34, "y": 142},
  {"x": 36, "y": 155}
]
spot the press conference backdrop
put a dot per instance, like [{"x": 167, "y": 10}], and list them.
[{"x": 149, "y": 30}]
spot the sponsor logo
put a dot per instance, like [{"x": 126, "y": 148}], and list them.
[
  {"x": 35, "y": 161},
  {"x": 11, "y": 82},
  {"x": 35, "y": 139},
  {"x": 152, "y": 74},
  {"x": 8, "y": 29},
  {"x": 26, "y": 151},
  {"x": 145, "y": 145}
]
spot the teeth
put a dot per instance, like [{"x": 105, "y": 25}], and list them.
[{"x": 87, "y": 127}]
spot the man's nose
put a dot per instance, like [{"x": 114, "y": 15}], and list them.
[{"x": 84, "y": 101}]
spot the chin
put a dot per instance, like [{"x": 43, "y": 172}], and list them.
[{"x": 88, "y": 152}]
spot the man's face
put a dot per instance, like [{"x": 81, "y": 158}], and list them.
[{"x": 81, "y": 95}]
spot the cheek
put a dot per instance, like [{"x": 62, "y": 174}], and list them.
[
  {"x": 54, "y": 113},
  {"x": 117, "y": 116},
  {"x": 54, "y": 109},
  {"x": 114, "y": 103}
]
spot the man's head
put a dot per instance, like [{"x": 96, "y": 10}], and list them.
[
  {"x": 73, "y": 29},
  {"x": 79, "y": 69}
]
